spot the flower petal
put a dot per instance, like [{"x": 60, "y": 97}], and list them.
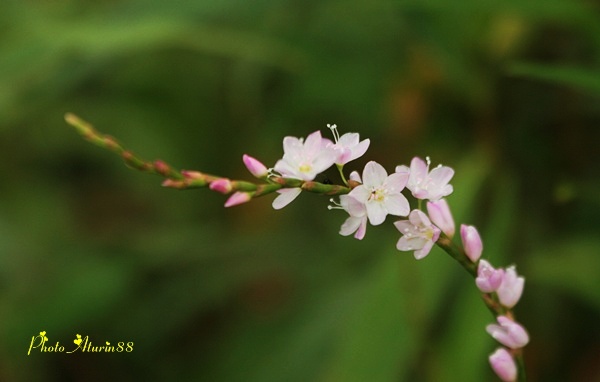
[
  {"x": 374, "y": 175},
  {"x": 418, "y": 170},
  {"x": 418, "y": 218},
  {"x": 286, "y": 196},
  {"x": 441, "y": 175},
  {"x": 396, "y": 182},
  {"x": 397, "y": 205},
  {"x": 421, "y": 253},
  {"x": 376, "y": 212},
  {"x": 362, "y": 229},
  {"x": 360, "y": 193},
  {"x": 350, "y": 226}
]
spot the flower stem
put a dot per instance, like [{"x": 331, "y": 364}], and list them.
[
  {"x": 457, "y": 254},
  {"x": 183, "y": 180},
  {"x": 340, "y": 168}
]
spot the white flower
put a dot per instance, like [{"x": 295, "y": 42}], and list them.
[
  {"x": 302, "y": 160},
  {"x": 305, "y": 159},
  {"x": 425, "y": 184},
  {"x": 419, "y": 234},
  {"x": 380, "y": 193},
  {"x": 348, "y": 147}
]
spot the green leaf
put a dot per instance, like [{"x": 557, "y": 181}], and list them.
[{"x": 585, "y": 79}]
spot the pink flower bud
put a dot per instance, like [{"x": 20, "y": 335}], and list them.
[
  {"x": 511, "y": 288},
  {"x": 488, "y": 279},
  {"x": 255, "y": 167},
  {"x": 471, "y": 241},
  {"x": 222, "y": 185},
  {"x": 161, "y": 167},
  {"x": 440, "y": 215},
  {"x": 508, "y": 333},
  {"x": 193, "y": 175},
  {"x": 173, "y": 183},
  {"x": 504, "y": 365},
  {"x": 238, "y": 197}
]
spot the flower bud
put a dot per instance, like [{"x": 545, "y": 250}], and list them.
[
  {"x": 511, "y": 288},
  {"x": 488, "y": 279},
  {"x": 173, "y": 183},
  {"x": 222, "y": 185},
  {"x": 193, "y": 175},
  {"x": 255, "y": 167},
  {"x": 471, "y": 241},
  {"x": 504, "y": 365},
  {"x": 508, "y": 333},
  {"x": 161, "y": 167},
  {"x": 238, "y": 197},
  {"x": 440, "y": 215}
]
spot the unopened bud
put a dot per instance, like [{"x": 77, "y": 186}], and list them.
[
  {"x": 255, "y": 167},
  {"x": 504, "y": 365},
  {"x": 511, "y": 288},
  {"x": 238, "y": 198},
  {"x": 508, "y": 333},
  {"x": 172, "y": 183},
  {"x": 161, "y": 167},
  {"x": 193, "y": 175},
  {"x": 488, "y": 279},
  {"x": 222, "y": 185},
  {"x": 471, "y": 242},
  {"x": 440, "y": 215}
]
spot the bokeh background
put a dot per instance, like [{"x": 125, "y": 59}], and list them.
[{"x": 506, "y": 92}]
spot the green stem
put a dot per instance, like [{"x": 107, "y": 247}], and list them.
[
  {"x": 457, "y": 254},
  {"x": 184, "y": 180},
  {"x": 340, "y": 168},
  {"x": 521, "y": 374}
]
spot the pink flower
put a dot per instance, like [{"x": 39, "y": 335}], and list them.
[
  {"x": 440, "y": 215},
  {"x": 305, "y": 159},
  {"x": 222, "y": 185},
  {"x": 381, "y": 193},
  {"x": 348, "y": 147},
  {"x": 511, "y": 288},
  {"x": 488, "y": 279},
  {"x": 238, "y": 197},
  {"x": 357, "y": 221},
  {"x": 419, "y": 234},
  {"x": 508, "y": 333},
  {"x": 471, "y": 241},
  {"x": 504, "y": 365},
  {"x": 425, "y": 184},
  {"x": 255, "y": 167}
]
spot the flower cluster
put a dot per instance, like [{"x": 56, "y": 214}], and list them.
[
  {"x": 370, "y": 198},
  {"x": 367, "y": 198},
  {"x": 377, "y": 194}
]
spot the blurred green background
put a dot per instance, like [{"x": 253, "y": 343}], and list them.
[{"x": 506, "y": 92}]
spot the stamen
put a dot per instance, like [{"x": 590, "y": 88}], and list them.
[
  {"x": 428, "y": 160},
  {"x": 336, "y": 134},
  {"x": 336, "y": 205}
]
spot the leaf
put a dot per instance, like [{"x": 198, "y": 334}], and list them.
[{"x": 585, "y": 79}]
